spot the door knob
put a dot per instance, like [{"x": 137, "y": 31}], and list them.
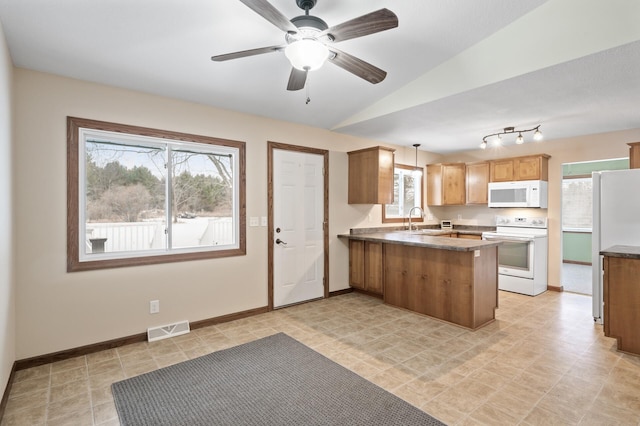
[{"x": 279, "y": 241}]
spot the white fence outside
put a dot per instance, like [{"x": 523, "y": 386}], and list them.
[{"x": 141, "y": 236}]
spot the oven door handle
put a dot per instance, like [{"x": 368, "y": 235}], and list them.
[{"x": 503, "y": 238}]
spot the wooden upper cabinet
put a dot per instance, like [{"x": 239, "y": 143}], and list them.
[
  {"x": 477, "y": 182},
  {"x": 502, "y": 170},
  {"x": 531, "y": 167},
  {"x": 446, "y": 184},
  {"x": 634, "y": 155},
  {"x": 371, "y": 176}
]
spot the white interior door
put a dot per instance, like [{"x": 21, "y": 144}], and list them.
[{"x": 298, "y": 215}]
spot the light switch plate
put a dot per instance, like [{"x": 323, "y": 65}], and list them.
[
  {"x": 253, "y": 221},
  {"x": 263, "y": 221}
]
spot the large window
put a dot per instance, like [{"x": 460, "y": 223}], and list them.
[
  {"x": 407, "y": 193},
  {"x": 140, "y": 196}
]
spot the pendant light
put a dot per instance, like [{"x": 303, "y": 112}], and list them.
[{"x": 417, "y": 172}]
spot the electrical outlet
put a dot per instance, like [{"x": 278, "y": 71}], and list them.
[
  {"x": 154, "y": 306},
  {"x": 459, "y": 217}
]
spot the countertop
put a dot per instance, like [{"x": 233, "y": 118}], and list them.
[
  {"x": 421, "y": 238},
  {"x": 628, "y": 252},
  {"x": 429, "y": 229}
]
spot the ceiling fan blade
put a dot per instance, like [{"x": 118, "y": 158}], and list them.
[
  {"x": 374, "y": 22},
  {"x": 297, "y": 79},
  {"x": 271, "y": 14},
  {"x": 357, "y": 66},
  {"x": 245, "y": 53}
]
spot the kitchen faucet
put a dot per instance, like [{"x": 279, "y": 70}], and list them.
[{"x": 411, "y": 213}]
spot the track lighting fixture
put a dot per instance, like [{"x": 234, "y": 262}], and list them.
[{"x": 509, "y": 130}]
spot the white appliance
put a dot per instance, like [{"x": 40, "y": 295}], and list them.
[
  {"x": 522, "y": 256},
  {"x": 524, "y": 193},
  {"x": 616, "y": 220}
]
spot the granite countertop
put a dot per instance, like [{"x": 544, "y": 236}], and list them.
[
  {"x": 628, "y": 252},
  {"x": 422, "y": 239}
]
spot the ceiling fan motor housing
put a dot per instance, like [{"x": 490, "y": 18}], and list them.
[{"x": 308, "y": 22}]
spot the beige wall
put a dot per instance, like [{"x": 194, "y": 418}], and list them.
[
  {"x": 57, "y": 310},
  {"x": 570, "y": 150},
  {"x": 7, "y": 287}
]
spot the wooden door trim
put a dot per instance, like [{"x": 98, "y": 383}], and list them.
[{"x": 271, "y": 146}]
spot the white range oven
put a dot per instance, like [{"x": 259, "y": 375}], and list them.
[{"x": 522, "y": 256}]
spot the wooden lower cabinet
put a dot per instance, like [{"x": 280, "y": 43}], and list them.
[
  {"x": 470, "y": 236},
  {"x": 456, "y": 286},
  {"x": 365, "y": 266},
  {"x": 621, "y": 302}
]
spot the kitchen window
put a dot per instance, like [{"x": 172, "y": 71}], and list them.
[
  {"x": 577, "y": 203},
  {"x": 142, "y": 196},
  {"x": 407, "y": 193}
]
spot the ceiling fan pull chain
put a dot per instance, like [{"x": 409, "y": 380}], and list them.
[{"x": 307, "y": 89}]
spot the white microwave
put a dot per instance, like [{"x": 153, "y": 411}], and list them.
[{"x": 524, "y": 193}]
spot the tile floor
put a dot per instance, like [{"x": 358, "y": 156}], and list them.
[
  {"x": 542, "y": 362},
  {"x": 577, "y": 278}
]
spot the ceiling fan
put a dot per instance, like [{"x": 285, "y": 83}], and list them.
[{"x": 309, "y": 41}]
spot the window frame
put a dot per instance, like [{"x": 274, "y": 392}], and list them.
[
  {"x": 386, "y": 219},
  {"x": 74, "y": 204}
]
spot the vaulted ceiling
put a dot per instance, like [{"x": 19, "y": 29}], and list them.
[{"x": 456, "y": 69}]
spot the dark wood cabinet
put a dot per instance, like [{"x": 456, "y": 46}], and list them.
[
  {"x": 456, "y": 286},
  {"x": 621, "y": 315},
  {"x": 365, "y": 266}
]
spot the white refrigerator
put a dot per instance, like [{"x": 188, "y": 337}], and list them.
[{"x": 616, "y": 220}]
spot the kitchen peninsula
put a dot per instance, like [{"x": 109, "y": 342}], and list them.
[{"x": 451, "y": 279}]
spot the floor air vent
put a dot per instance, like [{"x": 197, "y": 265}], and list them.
[{"x": 166, "y": 331}]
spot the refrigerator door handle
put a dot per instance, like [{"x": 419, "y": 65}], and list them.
[{"x": 596, "y": 261}]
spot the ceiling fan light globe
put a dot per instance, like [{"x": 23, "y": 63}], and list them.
[{"x": 306, "y": 55}]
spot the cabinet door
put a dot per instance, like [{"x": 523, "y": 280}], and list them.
[
  {"x": 434, "y": 184},
  {"x": 445, "y": 184},
  {"x": 477, "y": 183},
  {"x": 453, "y": 180},
  {"x": 397, "y": 276},
  {"x": 501, "y": 170},
  {"x": 373, "y": 267},
  {"x": 528, "y": 168},
  {"x": 356, "y": 264}
]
